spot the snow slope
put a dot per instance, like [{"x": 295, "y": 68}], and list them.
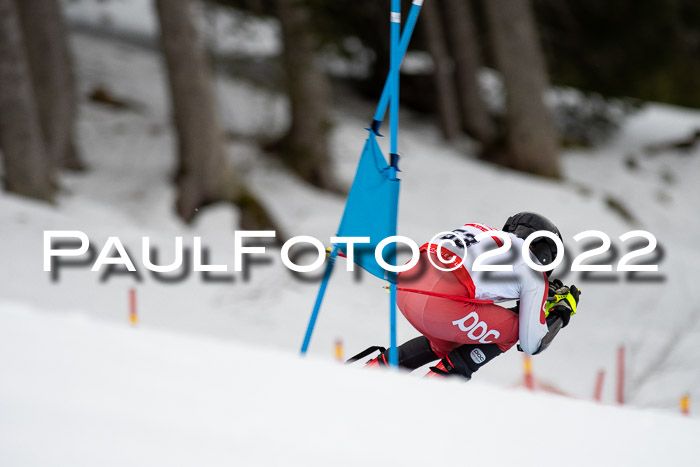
[
  {"x": 82, "y": 393},
  {"x": 127, "y": 193},
  {"x": 227, "y": 31}
]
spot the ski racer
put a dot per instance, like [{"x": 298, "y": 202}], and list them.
[{"x": 457, "y": 310}]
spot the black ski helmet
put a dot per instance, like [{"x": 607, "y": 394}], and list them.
[{"x": 525, "y": 223}]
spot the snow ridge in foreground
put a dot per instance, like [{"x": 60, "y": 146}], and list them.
[{"x": 78, "y": 392}]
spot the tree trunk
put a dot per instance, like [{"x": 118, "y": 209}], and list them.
[
  {"x": 52, "y": 78},
  {"x": 465, "y": 50},
  {"x": 305, "y": 147},
  {"x": 27, "y": 169},
  {"x": 531, "y": 137},
  {"x": 443, "y": 74},
  {"x": 203, "y": 175}
]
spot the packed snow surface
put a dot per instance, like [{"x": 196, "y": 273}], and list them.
[{"x": 81, "y": 393}]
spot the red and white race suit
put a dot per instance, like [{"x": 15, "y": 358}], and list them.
[{"x": 452, "y": 308}]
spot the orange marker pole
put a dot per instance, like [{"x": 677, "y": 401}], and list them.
[
  {"x": 339, "y": 350},
  {"x": 598, "y": 392},
  {"x": 133, "y": 317},
  {"x": 528, "y": 379},
  {"x": 685, "y": 404}
]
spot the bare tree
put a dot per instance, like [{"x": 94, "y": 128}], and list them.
[
  {"x": 305, "y": 147},
  {"x": 27, "y": 169},
  {"x": 204, "y": 174},
  {"x": 663, "y": 357},
  {"x": 443, "y": 73},
  {"x": 50, "y": 63},
  {"x": 476, "y": 120},
  {"x": 531, "y": 137}
]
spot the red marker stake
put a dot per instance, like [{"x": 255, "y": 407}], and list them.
[
  {"x": 598, "y": 393},
  {"x": 621, "y": 375}
]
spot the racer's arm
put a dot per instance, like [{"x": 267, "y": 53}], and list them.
[
  {"x": 561, "y": 304},
  {"x": 554, "y": 325},
  {"x": 533, "y": 298}
]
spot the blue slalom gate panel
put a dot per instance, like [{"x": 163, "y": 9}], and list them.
[{"x": 370, "y": 210}]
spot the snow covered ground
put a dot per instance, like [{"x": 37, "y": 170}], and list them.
[
  {"x": 226, "y": 31},
  {"x": 141, "y": 397},
  {"x": 214, "y": 379}
]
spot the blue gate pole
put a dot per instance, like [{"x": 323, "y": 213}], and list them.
[
  {"x": 319, "y": 299},
  {"x": 393, "y": 349},
  {"x": 394, "y": 116},
  {"x": 394, "y": 81},
  {"x": 392, "y": 276},
  {"x": 403, "y": 46}
]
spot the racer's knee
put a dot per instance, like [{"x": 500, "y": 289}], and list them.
[{"x": 411, "y": 355}]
